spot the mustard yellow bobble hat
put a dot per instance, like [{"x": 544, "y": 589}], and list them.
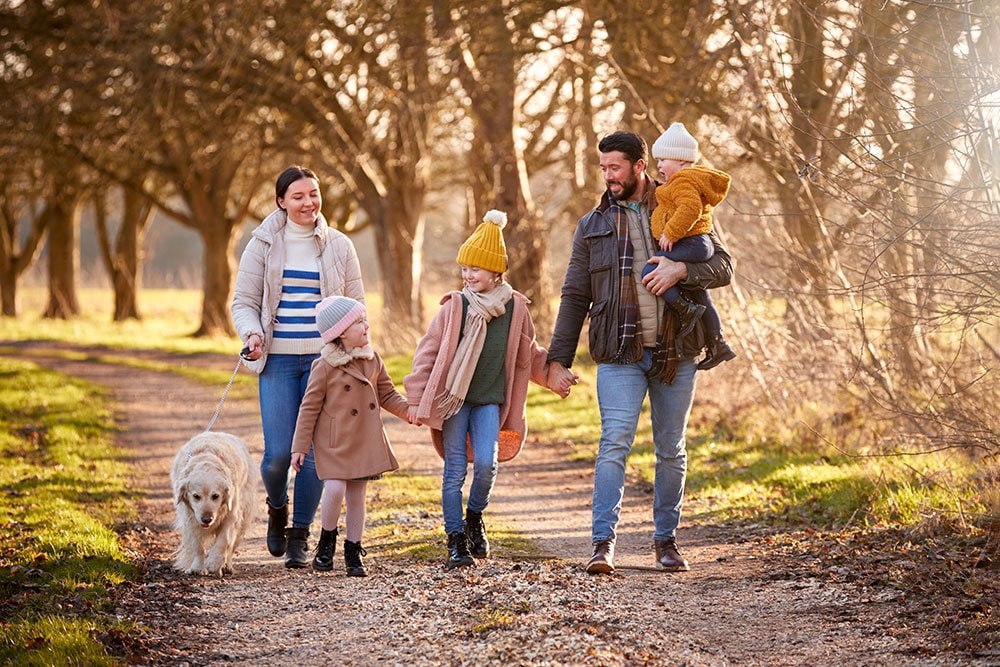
[{"x": 485, "y": 248}]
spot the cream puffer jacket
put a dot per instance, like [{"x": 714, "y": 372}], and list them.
[{"x": 258, "y": 280}]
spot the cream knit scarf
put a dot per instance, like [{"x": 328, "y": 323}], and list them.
[{"x": 483, "y": 307}]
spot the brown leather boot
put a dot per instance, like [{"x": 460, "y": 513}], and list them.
[
  {"x": 602, "y": 562},
  {"x": 668, "y": 558}
]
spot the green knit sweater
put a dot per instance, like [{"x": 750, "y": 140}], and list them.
[{"x": 487, "y": 385}]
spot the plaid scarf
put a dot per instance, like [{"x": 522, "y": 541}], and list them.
[
  {"x": 630, "y": 342},
  {"x": 664, "y": 367}
]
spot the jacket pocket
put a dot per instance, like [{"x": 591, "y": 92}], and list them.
[{"x": 599, "y": 333}]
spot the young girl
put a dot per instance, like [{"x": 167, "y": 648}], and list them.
[
  {"x": 340, "y": 416},
  {"x": 470, "y": 381}
]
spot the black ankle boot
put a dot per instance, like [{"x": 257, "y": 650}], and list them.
[
  {"x": 718, "y": 350},
  {"x": 325, "y": 548},
  {"x": 296, "y": 555},
  {"x": 475, "y": 532},
  {"x": 277, "y": 519},
  {"x": 353, "y": 551},
  {"x": 688, "y": 314},
  {"x": 458, "y": 551}
]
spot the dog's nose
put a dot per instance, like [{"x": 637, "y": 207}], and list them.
[{"x": 206, "y": 520}]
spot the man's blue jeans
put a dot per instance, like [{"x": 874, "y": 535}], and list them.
[
  {"x": 282, "y": 386},
  {"x": 482, "y": 424},
  {"x": 621, "y": 389}
]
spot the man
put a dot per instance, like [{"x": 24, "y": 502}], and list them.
[{"x": 632, "y": 340}]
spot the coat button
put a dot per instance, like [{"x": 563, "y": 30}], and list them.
[
  {"x": 371, "y": 406},
  {"x": 347, "y": 387},
  {"x": 354, "y": 412}
]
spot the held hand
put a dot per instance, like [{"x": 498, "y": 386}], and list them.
[
  {"x": 297, "y": 459},
  {"x": 561, "y": 379},
  {"x": 411, "y": 416},
  {"x": 665, "y": 244},
  {"x": 667, "y": 274}
]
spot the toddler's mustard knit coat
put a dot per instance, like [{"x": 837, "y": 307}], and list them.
[{"x": 685, "y": 202}]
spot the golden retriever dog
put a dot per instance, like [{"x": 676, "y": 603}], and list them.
[{"x": 215, "y": 485}]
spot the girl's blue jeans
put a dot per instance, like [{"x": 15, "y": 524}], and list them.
[
  {"x": 481, "y": 423},
  {"x": 282, "y": 386}
]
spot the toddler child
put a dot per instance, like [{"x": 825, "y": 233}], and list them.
[
  {"x": 339, "y": 415},
  {"x": 469, "y": 383},
  {"x": 682, "y": 221}
]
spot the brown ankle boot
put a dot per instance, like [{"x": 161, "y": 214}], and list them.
[{"x": 602, "y": 562}]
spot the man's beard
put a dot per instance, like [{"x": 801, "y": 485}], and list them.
[{"x": 628, "y": 189}]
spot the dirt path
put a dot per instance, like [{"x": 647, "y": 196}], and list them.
[{"x": 740, "y": 604}]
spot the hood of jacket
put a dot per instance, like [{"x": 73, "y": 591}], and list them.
[
  {"x": 711, "y": 183},
  {"x": 337, "y": 356}
]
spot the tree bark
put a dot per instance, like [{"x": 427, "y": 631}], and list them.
[
  {"x": 218, "y": 281},
  {"x": 123, "y": 260},
  {"x": 64, "y": 254}
]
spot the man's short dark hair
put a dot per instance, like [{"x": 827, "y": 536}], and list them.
[{"x": 628, "y": 143}]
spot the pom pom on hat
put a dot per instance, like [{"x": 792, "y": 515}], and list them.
[
  {"x": 498, "y": 218},
  {"x": 335, "y": 313},
  {"x": 486, "y": 248},
  {"x": 676, "y": 143}
]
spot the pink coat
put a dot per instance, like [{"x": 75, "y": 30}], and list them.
[{"x": 525, "y": 361}]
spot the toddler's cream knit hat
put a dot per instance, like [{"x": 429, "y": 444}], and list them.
[{"x": 676, "y": 143}]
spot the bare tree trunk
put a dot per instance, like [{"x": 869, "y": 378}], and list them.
[
  {"x": 218, "y": 281},
  {"x": 123, "y": 261},
  {"x": 487, "y": 69},
  {"x": 398, "y": 242},
  {"x": 15, "y": 260},
  {"x": 64, "y": 254}
]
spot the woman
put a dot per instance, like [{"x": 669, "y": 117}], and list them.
[{"x": 293, "y": 261}]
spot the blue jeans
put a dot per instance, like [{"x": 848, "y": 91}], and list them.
[
  {"x": 482, "y": 424},
  {"x": 282, "y": 386},
  {"x": 697, "y": 248},
  {"x": 621, "y": 390}
]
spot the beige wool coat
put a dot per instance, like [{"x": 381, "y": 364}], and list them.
[
  {"x": 258, "y": 280},
  {"x": 525, "y": 360},
  {"x": 341, "y": 416}
]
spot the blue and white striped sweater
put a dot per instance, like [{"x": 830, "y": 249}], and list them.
[{"x": 296, "y": 317}]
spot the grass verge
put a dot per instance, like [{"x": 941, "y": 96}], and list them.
[{"x": 62, "y": 488}]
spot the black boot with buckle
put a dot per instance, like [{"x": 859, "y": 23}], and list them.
[
  {"x": 688, "y": 314},
  {"x": 327, "y": 546},
  {"x": 475, "y": 532},
  {"x": 277, "y": 520},
  {"x": 353, "y": 551},
  {"x": 458, "y": 551},
  {"x": 297, "y": 553},
  {"x": 718, "y": 350}
]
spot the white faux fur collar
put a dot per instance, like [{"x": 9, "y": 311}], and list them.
[{"x": 335, "y": 355}]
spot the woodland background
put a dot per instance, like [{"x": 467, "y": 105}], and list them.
[{"x": 862, "y": 138}]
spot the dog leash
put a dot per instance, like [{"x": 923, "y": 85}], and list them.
[{"x": 222, "y": 400}]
